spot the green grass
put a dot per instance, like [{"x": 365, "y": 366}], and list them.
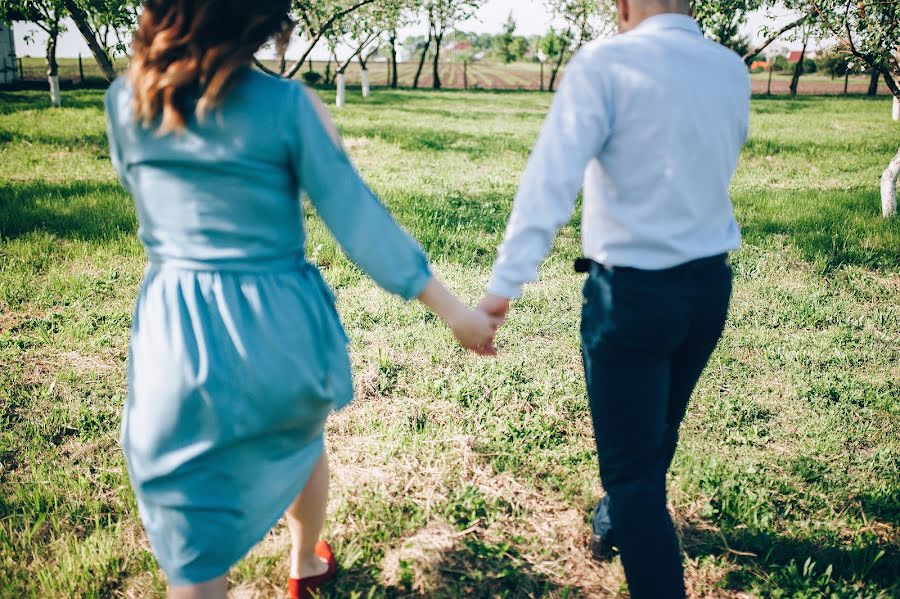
[{"x": 459, "y": 476}]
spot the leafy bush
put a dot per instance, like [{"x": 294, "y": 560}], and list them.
[
  {"x": 312, "y": 77},
  {"x": 780, "y": 64}
]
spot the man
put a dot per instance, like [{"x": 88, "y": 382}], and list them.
[{"x": 651, "y": 122}]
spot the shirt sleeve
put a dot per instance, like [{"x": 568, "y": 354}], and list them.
[
  {"x": 574, "y": 132},
  {"x": 360, "y": 223},
  {"x": 115, "y": 150}
]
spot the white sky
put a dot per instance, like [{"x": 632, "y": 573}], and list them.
[{"x": 530, "y": 15}]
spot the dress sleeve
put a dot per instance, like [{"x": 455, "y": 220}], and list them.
[
  {"x": 573, "y": 134},
  {"x": 115, "y": 151},
  {"x": 363, "y": 227}
]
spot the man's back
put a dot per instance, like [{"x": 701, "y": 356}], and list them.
[
  {"x": 677, "y": 104},
  {"x": 652, "y": 123}
]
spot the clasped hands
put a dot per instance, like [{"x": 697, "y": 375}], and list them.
[{"x": 475, "y": 328}]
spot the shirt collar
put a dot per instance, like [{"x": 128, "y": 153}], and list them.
[{"x": 669, "y": 20}]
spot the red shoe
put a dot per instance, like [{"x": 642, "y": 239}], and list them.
[{"x": 303, "y": 588}]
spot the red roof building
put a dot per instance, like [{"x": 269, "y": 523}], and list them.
[{"x": 794, "y": 56}]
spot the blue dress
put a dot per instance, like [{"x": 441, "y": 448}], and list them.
[{"x": 237, "y": 355}]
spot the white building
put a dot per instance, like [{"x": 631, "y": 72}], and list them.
[{"x": 9, "y": 70}]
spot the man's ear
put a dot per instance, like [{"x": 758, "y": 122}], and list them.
[{"x": 624, "y": 10}]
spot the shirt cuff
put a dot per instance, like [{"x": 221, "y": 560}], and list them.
[
  {"x": 499, "y": 286},
  {"x": 415, "y": 287}
]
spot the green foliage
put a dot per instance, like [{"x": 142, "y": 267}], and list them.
[
  {"x": 508, "y": 46},
  {"x": 722, "y": 21},
  {"x": 312, "y": 77},
  {"x": 834, "y": 63},
  {"x": 780, "y": 63}
]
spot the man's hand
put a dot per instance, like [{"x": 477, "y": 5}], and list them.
[{"x": 494, "y": 305}]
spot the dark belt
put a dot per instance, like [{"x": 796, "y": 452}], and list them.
[{"x": 586, "y": 265}]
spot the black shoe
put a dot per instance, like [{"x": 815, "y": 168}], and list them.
[{"x": 602, "y": 544}]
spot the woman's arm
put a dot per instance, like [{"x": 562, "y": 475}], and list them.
[
  {"x": 473, "y": 329},
  {"x": 367, "y": 232}
]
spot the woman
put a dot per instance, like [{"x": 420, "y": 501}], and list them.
[{"x": 237, "y": 355}]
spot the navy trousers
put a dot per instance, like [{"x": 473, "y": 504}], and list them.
[{"x": 646, "y": 338}]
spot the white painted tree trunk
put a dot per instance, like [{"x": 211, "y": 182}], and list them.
[
  {"x": 55, "y": 97},
  {"x": 896, "y": 108},
  {"x": 889, "y": 187},
  {"x": 365, "y": 83},
  {"x": 341, "y": 97}
]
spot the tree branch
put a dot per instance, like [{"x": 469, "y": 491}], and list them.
[
  {"x": 772, "y": 38},
  {"x": 321, "y": 33},
  {"x": 81, "y": 21},
  {"x": 264, "y": 68}
]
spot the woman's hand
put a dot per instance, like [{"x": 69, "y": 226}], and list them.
[{"x": 474, "y": 329}]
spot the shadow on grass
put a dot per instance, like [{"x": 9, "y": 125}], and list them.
[
  {"x": 18, "y": 101},
  {"x": 833, "y": 228},
  {"x": 473, "y": 568},
  {"x": 78, "y": 210},
  {"x": 777, "y": 562}
]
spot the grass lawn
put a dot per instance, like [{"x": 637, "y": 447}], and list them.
[{"x": 459, "y": 476}]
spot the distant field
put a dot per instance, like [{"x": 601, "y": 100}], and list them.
[
  {"x": 516, "y": 76},
  {"x": 456, "y": 476}
]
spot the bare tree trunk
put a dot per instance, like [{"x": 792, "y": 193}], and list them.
[
  {"x": 340, "y": 98},
  {"x": 889, "y": 187},
  {"x": 281, "y": 54},
  {"x": 873, "y": 82},
  {"x": 439, "y": 38},
  {"x": 556, "y": 68},
  {"x": 53, "y": 70},
  {"x": 364, "y": 76},
  {"x": 422, "y": 60},
  {"x": 846, "y": 81},
  {"x": 798, "y": 69},
  {"x": 394, "y": 77},
  {"x": 328, "y": 70},
  {"x": 81, "y": 21}
]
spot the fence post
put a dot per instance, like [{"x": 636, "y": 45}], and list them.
[
  {"x": 21, "y": 71},
  {"x": 466, "y": 74},
  {"x": 542, "y": 75},
  {"x": 80, "y": 69},
  {"x": 769, "y": 89}
]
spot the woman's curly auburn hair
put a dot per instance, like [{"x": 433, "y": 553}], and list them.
[{"x": 186, "y": 50}]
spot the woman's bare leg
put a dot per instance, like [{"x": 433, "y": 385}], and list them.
[
  {"x": 214, "y": 589},
  {"x": 305, "y": 519}
]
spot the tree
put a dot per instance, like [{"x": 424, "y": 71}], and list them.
[
  {"x": 798, "y": 68},
  {"x": 425, "y": 47},
  {"x": 47, "y": 15},
  {"x": 508, "y": 46},
  {"x": 104, "y": 25},
  {"x": 584, "y": 20},
  {"x": 315, "y": 20},
  {"x": 443, "y": 15},
  {"x": 722, "y": 21}
]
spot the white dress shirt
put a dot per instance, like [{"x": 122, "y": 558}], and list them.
[{"x": 651, "y": 123}]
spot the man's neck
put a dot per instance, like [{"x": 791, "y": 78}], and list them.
[{"x": 639, "y": 13}]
